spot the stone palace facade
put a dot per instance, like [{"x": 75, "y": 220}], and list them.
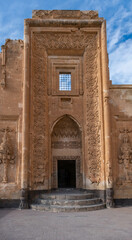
[{"x": 62, "y": 122}]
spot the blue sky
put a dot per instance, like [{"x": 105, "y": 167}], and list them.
[{"x": 118, "y": 14}]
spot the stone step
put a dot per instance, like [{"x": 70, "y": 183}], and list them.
[
  {"x": 53, "y": 208},
  {"x": 70, "y": 196},
  {"x": 67, "y": 202}
]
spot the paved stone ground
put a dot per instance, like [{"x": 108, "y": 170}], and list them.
[{"x": 107, "y": 224}]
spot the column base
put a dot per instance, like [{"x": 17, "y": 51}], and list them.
[
  {"x": 24, "y": 199},
  {"x": 109, "y": 198}
]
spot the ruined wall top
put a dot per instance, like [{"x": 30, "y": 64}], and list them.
[{"x": 65, "y": 14}]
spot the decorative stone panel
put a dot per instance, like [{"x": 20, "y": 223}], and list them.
[
  {"x": 125, "y": 157},
  {"x": 9, "y": 150},
  {"x": 44, "y": 14}
]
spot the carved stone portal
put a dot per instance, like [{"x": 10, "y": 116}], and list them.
[{"x": 78, "y": 41}]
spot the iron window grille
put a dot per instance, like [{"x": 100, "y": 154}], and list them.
[{"x": 65, "y": 81}]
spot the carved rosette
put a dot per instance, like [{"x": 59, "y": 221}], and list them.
[{"x": 75, "y": 40}]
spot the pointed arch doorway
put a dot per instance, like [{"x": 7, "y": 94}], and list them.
[{"x": 66, "y": 154}]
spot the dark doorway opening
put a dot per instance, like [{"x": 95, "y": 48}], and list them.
[{"x": 66, "y": 173}]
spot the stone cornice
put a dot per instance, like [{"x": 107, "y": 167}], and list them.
[{"x": 64, "y": 22}]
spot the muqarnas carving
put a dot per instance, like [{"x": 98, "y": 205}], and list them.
[
  {"x": 125, "y": 156},
  {"x": 7, "y": 156}
]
